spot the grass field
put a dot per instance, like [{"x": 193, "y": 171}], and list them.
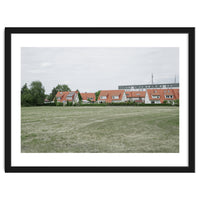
[{"x": 100, "y": 129}]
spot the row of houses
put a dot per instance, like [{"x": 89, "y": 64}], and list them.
[{"x": 150, "y": 96}]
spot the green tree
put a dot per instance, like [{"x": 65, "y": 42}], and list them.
[
  {"x": 47, "y": 96},
  {"x": 97, "y": 94},
  {"x": 58, "y": 88},
  {"x": 79, "y": 96},
  {"x": 37, "y": 92},
  {"x": 89, "y": 100},
  {"x": 55, "y": 100},
  {"x": 24, "y": 89},
  {"x": 62, "y": 88},
  {"x": 26, "y": 98},
  {"x": 52, "y": 94}
]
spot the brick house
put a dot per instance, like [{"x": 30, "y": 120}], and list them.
[
  {"x": 109, "y": 96},
  {"x": 71, "y": 96},
  {"x": 161, "y": 95},
  {"x": 88, "y": 97},
  {"x": 136, "y": 96}
]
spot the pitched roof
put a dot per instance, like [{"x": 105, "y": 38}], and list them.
[
  {"x": 136, "y": 94},
  {"x": 63, "y": 96},
  {"x": 162, "y": 93},
  {"x": 60, "y": 94},
  {"x": 86, "y": 96},
  {"x": 109, "y": 94}
]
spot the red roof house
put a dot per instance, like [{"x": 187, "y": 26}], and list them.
[
  {"x": 71, "y": 96},
  {"x": 91, "y": 96},
  {"x": 109, "y": 96},
  {"x": 160, "y": 95},
  {"x": 137, "y": 96}
]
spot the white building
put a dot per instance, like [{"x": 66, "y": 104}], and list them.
[{"x": 148, "y": 86}]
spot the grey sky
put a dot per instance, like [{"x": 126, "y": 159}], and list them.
[{"x": 91, "y": 69}]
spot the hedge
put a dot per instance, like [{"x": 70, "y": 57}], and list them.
[
  {"x": 124, "y": 104},
  {"x": 49, "y": 104},
  {"x": 104, "y": 104},
  {"x": 59, "y": 104}
]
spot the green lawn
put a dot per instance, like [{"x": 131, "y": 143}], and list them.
[{"x": 100, "y": 129}]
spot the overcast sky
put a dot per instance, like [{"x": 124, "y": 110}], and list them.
[{"x": 91, "y": 69}]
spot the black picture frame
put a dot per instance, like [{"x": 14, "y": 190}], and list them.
[{"x": 100, "y": 30}]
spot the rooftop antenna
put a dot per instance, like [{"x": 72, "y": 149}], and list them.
[
  {"x": 175, "y": 79},
  {"x": 152, "y": 78}
]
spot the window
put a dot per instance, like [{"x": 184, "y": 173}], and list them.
[
  {"x": 155, "y": 96},
  {"x": 58, "y": 98},
  {"x": 168, "y": 96},
  {"x": 115, "y": 97},
  {"x": 138, "y": 94},
  {"x": 103, "y": 97},
  {"x": 70, "y": 98}
]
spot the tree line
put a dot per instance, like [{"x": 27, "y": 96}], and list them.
[{"x": 35, "y": 94}]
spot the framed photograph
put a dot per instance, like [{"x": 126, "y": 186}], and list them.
[{"x": 100, "y": 99}]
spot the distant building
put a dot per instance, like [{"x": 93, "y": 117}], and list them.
[
  {"x": 46, "y": 101},
  {"x": 109, "y": 96},
  {"x": 148, "y": 86},
  {"x": 157, "y": 96},
  {"x": 88, "y": 97},
  {"x": 63, "y": 97}
]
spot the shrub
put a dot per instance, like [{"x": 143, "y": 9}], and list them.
[
  {"x": 69, "y": 103},
  {"x": 49, "y": 104},
  {"x": 106, "y": 104},
  {"x": 165, "y": 102},
  {"x": 59, "y": 104},
  {"x": 94, "y": 104},
  {"x": 124, "y": 104},
  {"x": 135, "y": 103},
  {"x": 176, "y": 102}
]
